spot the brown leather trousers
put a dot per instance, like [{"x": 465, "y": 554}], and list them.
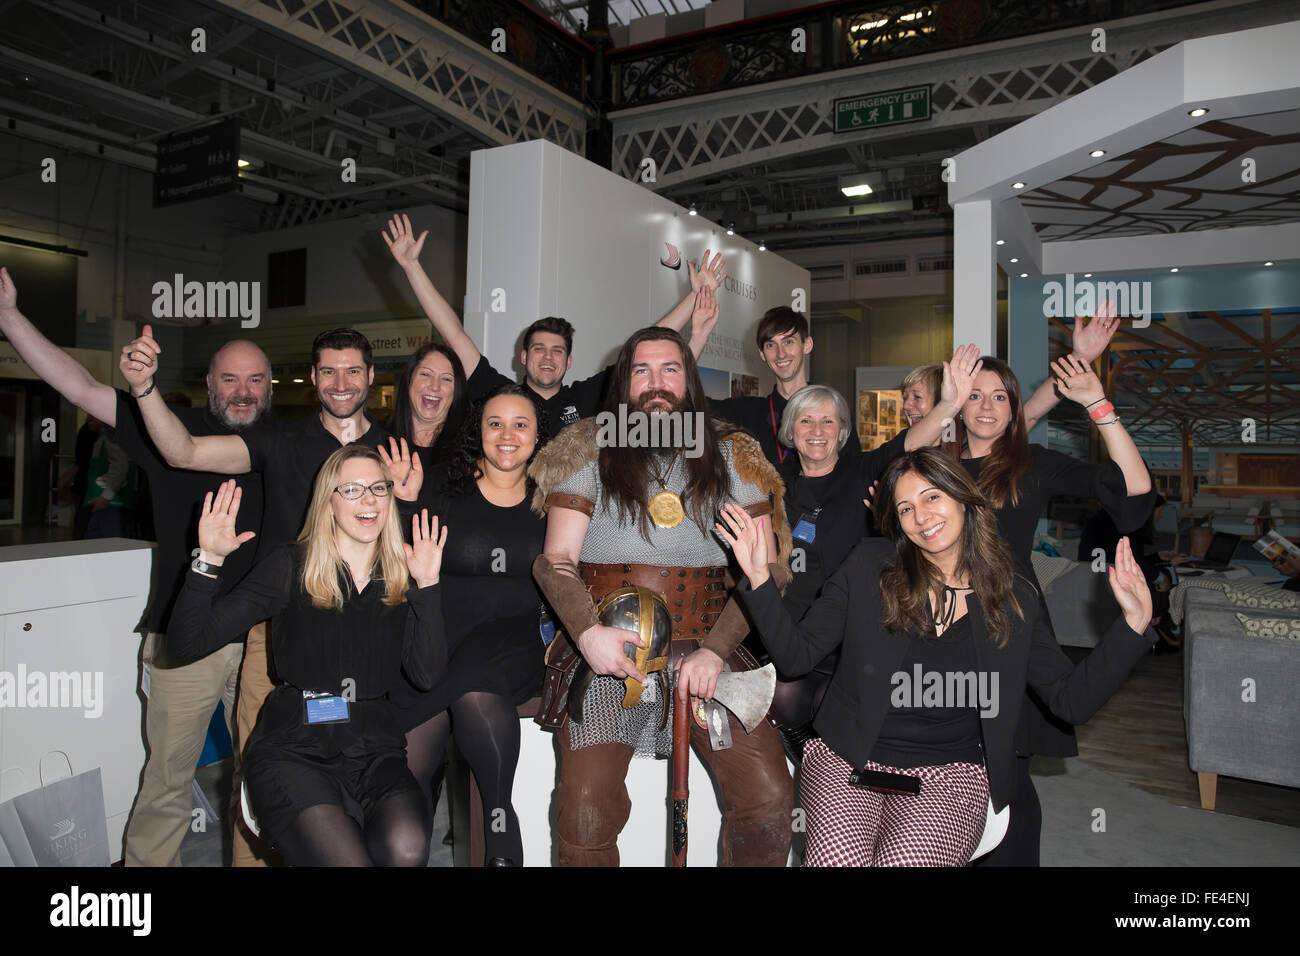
[{"x": 592, "y": 803}]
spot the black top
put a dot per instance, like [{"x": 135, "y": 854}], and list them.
[
  {"x": 1049, "y": 474},
  {"x": 761, "y": 417},
  {"x": 858, "y": 698},
  {"x": 576, "y": 400},
  {"x": 288, "y": 455},
  {"x": 177, "y": 501},
  {"x": 368, "y": 641},
  {"x": 927, "y": 723}
]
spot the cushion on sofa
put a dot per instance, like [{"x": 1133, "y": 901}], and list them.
[{"x": 1281, "y": 628}]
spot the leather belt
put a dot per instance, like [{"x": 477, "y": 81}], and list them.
[{"x": 695, "y": 596}]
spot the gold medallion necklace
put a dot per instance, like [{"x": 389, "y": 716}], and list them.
[{"x": 665, "y": 507}]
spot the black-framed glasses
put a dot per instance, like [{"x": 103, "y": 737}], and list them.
[{"x": 352, "y": 490}]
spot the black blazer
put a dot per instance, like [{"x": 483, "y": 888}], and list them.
[{"x": 857, "y": 699}]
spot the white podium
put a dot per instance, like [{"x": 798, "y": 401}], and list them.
[{"x": 71, "y": 608}]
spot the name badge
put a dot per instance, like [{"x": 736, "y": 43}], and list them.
[
  {"x": 805, "y": 531},
  {"x": 322, "y": 708},
  {"x": 546, "y": 627}
]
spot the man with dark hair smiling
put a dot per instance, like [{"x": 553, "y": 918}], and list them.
[
  {"x": 287, "y": 455},
  {"x": 181, "y": 699},
  {"x": 547, "y": 352},
  {"x": 785, "y": 342}
]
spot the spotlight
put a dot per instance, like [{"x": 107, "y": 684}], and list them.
[
  {"x": 1015, "y": 258},
  {"x": 1087, "y": 275},
  {"x": 1000, "y": 242},
  {"x": 1268, "y": 263},
  {"x": 692, "y": 210},
  {"x": 1024, "y": 275},
  {"x": 1199, "y": 111},
  {"x": 731, "y": 229},
  {"x": 1174, "y": 269},
  {"x": 762, "y": 247},
  {"x": 1017, "y": 185},
  {"x": 1097, "y": 153}
]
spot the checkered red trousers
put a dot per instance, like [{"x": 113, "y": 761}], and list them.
[{"x": 850, "y": 826}]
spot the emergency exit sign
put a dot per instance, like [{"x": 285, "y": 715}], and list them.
[{"x": 881, "y": 109}]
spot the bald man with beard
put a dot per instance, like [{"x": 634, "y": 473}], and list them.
[{"x": 181, "y": 698}]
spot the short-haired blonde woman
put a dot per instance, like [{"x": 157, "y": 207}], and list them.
[{"x": 352, "y": 605}]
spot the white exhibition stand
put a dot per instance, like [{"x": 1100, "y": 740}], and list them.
[{"x": 73, "y": 607}]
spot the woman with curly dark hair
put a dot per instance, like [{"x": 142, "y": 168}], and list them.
[
  {"x": 940, "y": 639},
  {"x": 492, "y": 620}
]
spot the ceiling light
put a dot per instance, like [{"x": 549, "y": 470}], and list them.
[
  {"x": 244, "y": 164},
  {"x": 1199, "y": 111},
  {"x": 860, "y": 184},
  {"x": 762, "y": 247},
  {"x": 1174, "y": 269},
  {"x": 1097, "y": 153},
  {"x": 1015, "y": 258},
  {"x": 1024, "y": 275},
  {"x": 1017, "y": 185},
  {"x": 275, "y": 381},
  {"x": 692, "y": 210},
  {"x": 297, "y": 381},
  {"x": 1268, "y": 263},
  {"x": 1087, "y": 275},
  {"x": 1000, "y": 242},
  {"x": 731, "y": 229}
]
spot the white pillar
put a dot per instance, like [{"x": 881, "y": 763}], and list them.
[{"x": 974, "y": 277}]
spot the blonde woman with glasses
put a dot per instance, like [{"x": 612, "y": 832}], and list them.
[{"x": 353, "y": 607}]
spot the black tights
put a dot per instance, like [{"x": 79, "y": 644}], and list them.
[
  {"x": 794, "y": 703},
  {"x": 395, "y": 834},
  {"x": 487, "y": 733}
]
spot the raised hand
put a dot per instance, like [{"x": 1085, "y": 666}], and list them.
[
  {"x": 403, "y": 244},
  {"x": 1130, "y": 587},
  {"x": 709, "y": 275},
  {"x": 8, "y": 292},
  {"x": 705, "y": 315},
  {"x": 424, "y": 553},
  {"x": 1088, "y": 342},
  {"x": 405, "y": 467},
  {"x": 139, "y": 362},
  {"x": 1077, "y": 381},
  {"x": 870, "y": 499},
  {"x": 747, "y": 541},
  {"x": 959, "y": 376},
  {"x": 217, "y": 536}
]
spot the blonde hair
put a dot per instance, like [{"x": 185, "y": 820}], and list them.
[
  {"x": 322, "y": 562},
  {"x": 931, "y": 376}
]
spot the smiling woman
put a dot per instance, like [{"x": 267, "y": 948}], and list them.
[{"x": 429, "y": 403}]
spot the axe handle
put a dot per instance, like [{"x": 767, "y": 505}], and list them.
[{"x": 681, "y": 768}]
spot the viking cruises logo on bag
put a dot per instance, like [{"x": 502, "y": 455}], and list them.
[
  {"x": 65, "y": 839},
  {"x": 75, "y": 909},
  {"x": 53, "y": 689}
]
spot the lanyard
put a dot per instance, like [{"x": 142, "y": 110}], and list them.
[{"x": 771, "y": 410}]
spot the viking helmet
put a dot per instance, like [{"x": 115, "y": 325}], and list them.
[{"x": 645, "y": 613}]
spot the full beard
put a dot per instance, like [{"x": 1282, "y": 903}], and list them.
[{"x": 222, "y": 413}]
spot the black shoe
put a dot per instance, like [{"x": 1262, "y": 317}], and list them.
[
  {"x": 793, "y": 740},
  {"x": 501, "y": 861}
]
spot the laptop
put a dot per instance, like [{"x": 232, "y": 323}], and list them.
[{"x": 1218, "y": 556}]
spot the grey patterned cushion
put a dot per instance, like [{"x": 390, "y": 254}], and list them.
[
  {"x": 1262, "y": 596},
  {"x": 1282, "y": 628}
]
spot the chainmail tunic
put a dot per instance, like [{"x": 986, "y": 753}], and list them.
[{"x": 611, "y": 540}]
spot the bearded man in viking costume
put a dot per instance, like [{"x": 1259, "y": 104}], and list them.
[{"x": 620, "y": 515}]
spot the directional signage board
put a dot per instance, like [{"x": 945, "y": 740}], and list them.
[
  {"x": 853, "y": 113},
  {"x": 197, "y": 163}
]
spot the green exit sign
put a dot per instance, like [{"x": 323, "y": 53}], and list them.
[{"x": 881, "y": 109}]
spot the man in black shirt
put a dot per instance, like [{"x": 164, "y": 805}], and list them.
[
  {"x": 547, "y": 353},
  {"x": 286, "y": 454},
  {"x": 784, "y": 339},
  {"x": 181, "y": 698}
]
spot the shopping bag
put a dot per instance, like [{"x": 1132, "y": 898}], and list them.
[
  {"x": 62, "y": 823},
  {"x": 14, "y": 848}
]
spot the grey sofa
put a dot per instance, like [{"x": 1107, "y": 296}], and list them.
[{"x": 1255, "y": 740}]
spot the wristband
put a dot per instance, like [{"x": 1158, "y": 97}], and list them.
[
  {"x": 151, "y": 387},
  {"x": 1090, "y": 404},
  {"x": 1101, "y": 411}
]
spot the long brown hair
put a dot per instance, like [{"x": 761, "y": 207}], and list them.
[
  {"x": 625, "y": 472},
  {"x": 1009, "y": 457},
  {"x": 984, "y": 559},
  {"x": 322, "y": 563}
]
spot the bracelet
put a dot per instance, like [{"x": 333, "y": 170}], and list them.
[
  {"x": 1113, "y": 421},
  {"x": 1090, "y": 404},
  {"x": 1101, "y": 411},
  {"x": 151, "y": 387}
]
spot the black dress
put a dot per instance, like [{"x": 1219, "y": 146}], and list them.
[
  {"x": 492, "y": 611},
  {"x": 1051, "y": 473},
  {"x": 360, "y": 651}
]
